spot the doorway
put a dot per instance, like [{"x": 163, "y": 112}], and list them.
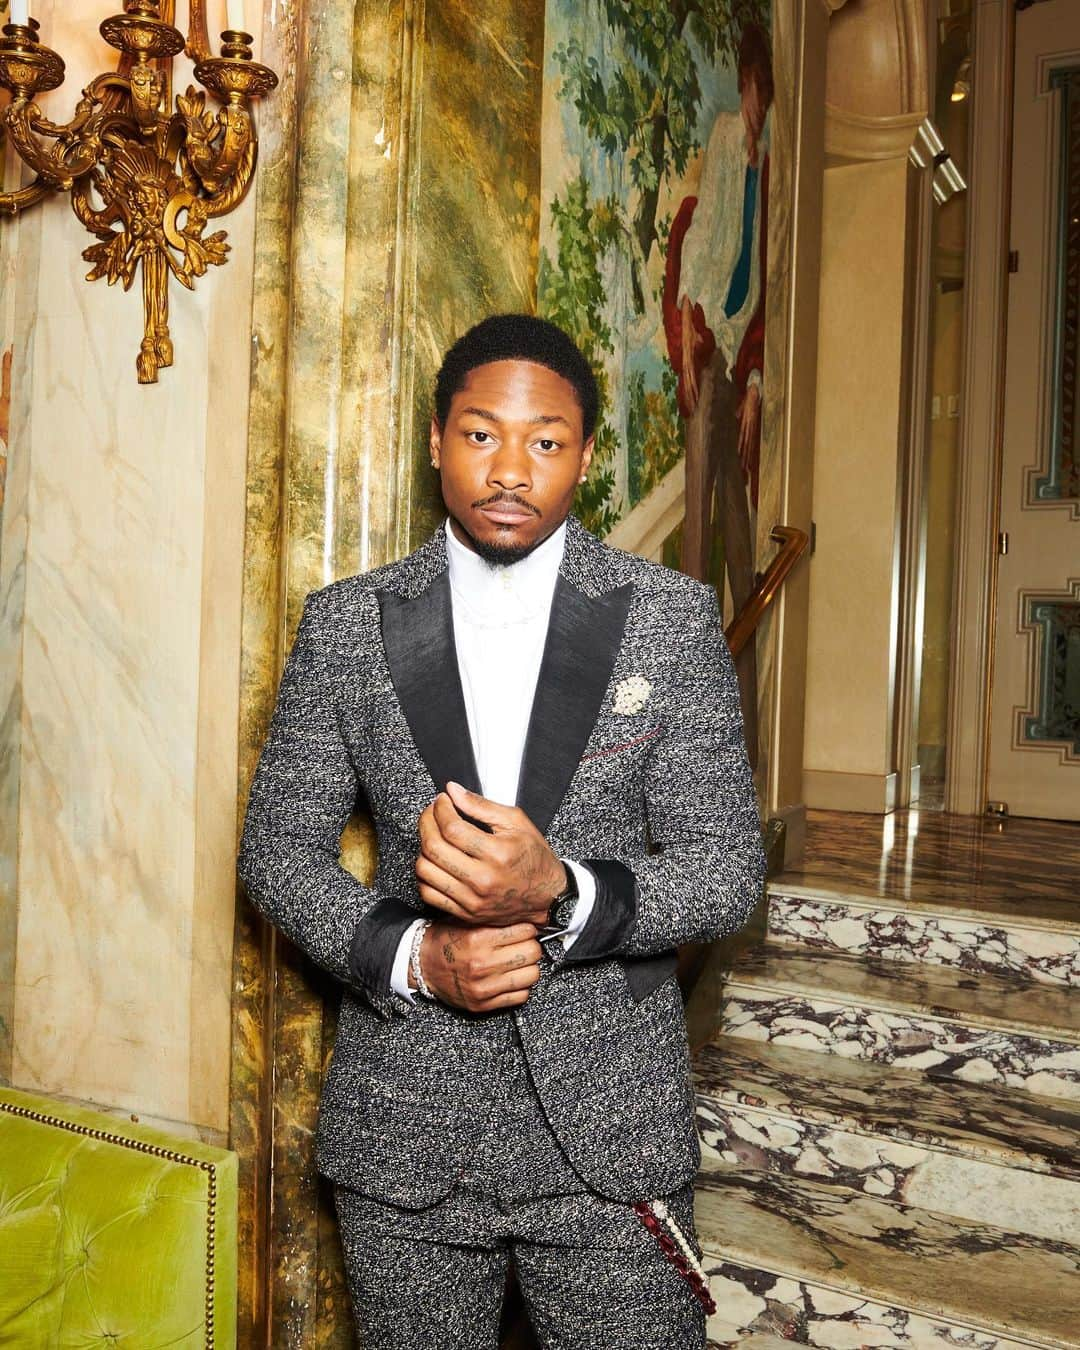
[{"x": 1033, "y": 764}]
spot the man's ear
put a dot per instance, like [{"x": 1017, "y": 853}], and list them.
[
  {"x": 586, "y": 457},
  {"x": 435, "y": 443}
]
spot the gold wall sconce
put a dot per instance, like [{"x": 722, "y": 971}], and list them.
[{"x": 143, "y": 178}]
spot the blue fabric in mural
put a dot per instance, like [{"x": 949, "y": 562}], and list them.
[{"x": 740, "y": 279}]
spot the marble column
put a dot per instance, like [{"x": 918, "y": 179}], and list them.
[
  {"x": 120, "y": 567},
  {"x": 869, "y": 379},
  {"x": 397, "y": 203}
]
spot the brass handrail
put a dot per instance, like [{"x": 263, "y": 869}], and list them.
[{"x": 794, "y": 544}]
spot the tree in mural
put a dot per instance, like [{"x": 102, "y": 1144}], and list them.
[
  {"x": 638, "y": 96},
  {"x": 572, "y": 295}
]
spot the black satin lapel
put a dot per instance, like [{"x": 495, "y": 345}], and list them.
[
  {"x": 583, "y": 640},
  {"x": 418, "y": 636}
]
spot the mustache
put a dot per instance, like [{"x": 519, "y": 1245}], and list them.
[{"x": 508, "y": 499}]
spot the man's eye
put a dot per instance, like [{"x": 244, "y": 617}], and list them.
[
  {"x": 480, "y": 437},
  {"x": 548, "y": 445}
]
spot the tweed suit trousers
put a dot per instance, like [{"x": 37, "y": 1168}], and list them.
[{"x": 592, "y": 1276}]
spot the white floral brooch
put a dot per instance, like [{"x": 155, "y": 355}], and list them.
[{"x": 631, "y": 695}]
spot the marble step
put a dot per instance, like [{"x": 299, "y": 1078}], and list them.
[
  {"x": 1040, "y": 941},
  {"x": 980, "y": 1028},
  {"x": 989, "y": 1154},
  {"x": 754, "y": 1342},
  {"x": 820, "y": 1265}
]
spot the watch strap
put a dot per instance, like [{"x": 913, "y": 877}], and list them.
[{"x": 562, "y": 908}]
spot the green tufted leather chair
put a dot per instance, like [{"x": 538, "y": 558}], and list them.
[{"x": 112, "y": 1234}]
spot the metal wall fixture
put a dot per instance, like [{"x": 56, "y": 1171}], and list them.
[
  {"x": 928, "y": 152},
  {"x": 144, "y": 179}
]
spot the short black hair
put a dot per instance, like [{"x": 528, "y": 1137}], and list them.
[{"x": 517, "y": 337}]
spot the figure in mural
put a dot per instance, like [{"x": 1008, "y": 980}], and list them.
[
  {"x": 660, "y": 277},
  {"x": 547, "y": 732},
  {"x": 714, "y": 320}
]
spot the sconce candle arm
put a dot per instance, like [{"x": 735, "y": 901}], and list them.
[
  {"x": 78, "y": 142},
  {"x": 214, "y": 147},
  {"x": 85, "y": 109},
  {"x": 11, "y": 203},
  {"x": 158, "y": 175}
]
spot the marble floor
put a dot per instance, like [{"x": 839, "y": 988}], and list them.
[{"x": 933, "y": 857}]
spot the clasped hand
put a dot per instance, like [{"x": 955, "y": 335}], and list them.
[
  {"x": 496, "y": 890},
  {"x": 505, "y": 877}
]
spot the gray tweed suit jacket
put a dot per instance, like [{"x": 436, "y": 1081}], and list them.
[{"x": 658, "y": 801}]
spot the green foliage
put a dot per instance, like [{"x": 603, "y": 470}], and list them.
[
  {"x": 639, "y": 99},
  {"x": 654, "y": 434},
  {"x": 645, "y": 100},
  {"x": 718, "y": 24},
  {"x": 572, "y": 295}
]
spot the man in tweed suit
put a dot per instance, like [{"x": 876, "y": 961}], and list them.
[{"x": 547, "y": 734}]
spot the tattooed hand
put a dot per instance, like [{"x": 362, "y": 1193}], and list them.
[
  {"x": 480, "y": 969},
  {"x": 506, "y": 877}
]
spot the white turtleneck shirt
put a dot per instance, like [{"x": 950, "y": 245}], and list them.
[{"x": 500, "y": 627}]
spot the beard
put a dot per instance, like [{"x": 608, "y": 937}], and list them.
[
  {"x": 494, "y": 552},
  {"x": 500, "y": 555}
]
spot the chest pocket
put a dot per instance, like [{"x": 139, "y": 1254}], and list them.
[{"x": 631, "y": 742}]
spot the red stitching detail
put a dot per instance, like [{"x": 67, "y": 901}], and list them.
[{"x": 614, "y": 749}]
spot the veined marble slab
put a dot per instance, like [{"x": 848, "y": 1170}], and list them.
[
  {"x": 911, "y": 1041},
  {"x": 979, "y": 1028},
  {"x": 811, "y": 1314},
  {"x": 1042, "y": 949},
  {"x": 981, "y": 999},
  {"x": 945, "y": 1184},
  {"x": 1006, "y": 1129},
  {"x": 911, "y": 1140},
  {"x": 820, "y": 1265}
]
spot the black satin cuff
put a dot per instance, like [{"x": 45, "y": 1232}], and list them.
[
  {"x": 375, "y": 942},
  {"x": 614, "y": 912}
]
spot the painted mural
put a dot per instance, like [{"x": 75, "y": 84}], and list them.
[{"x": 655, "y": 192}]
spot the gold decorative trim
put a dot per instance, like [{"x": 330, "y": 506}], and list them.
[
  {"x": 1050, "y": 363},
  {"x": 1029, "y": 632},
  {"x": 153, "y": 1151}
]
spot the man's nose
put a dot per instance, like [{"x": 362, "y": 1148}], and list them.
[{"x": 510, "y": 469}]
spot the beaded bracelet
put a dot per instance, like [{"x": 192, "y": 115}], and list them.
[{"x": 414, "y": 960}]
